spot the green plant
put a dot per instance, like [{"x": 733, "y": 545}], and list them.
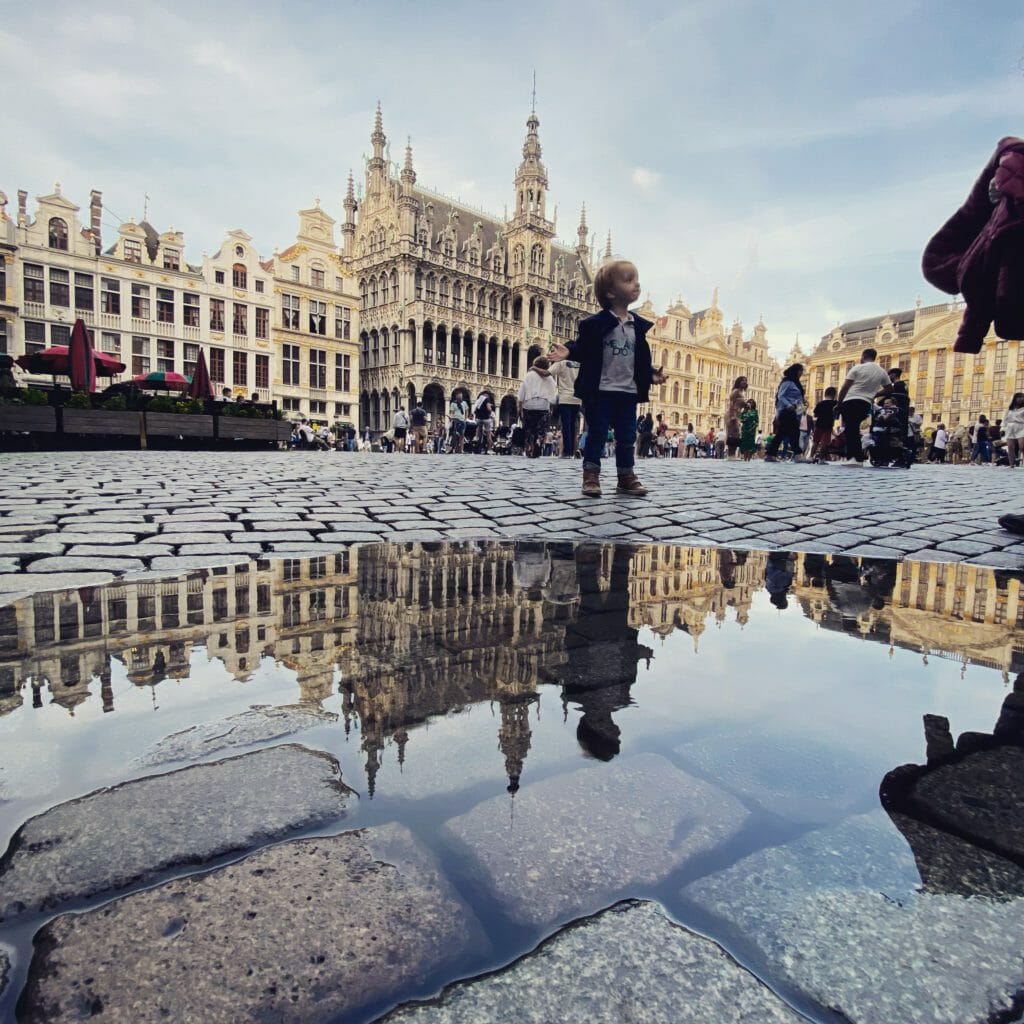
[
  {"x": 79, "y": 400},
  {"x": 33, "y": 396},
  {"x": 190, "y": 406},
  {"x": 161, "y": 404},
  {"x": 116, "y": 403}
]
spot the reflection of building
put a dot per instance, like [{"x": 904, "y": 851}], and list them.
[
  {"x": 674, "y": 587},
  {"x": 945, "y": 386},
  {"x": 964, "y": 612}
]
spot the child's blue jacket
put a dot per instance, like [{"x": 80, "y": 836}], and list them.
[{"x": 588, "y": 351}]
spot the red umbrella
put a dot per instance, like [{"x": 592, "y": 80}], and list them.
[
  {"x": 201, "y": 386},
  {"x": 80, "y": 355},
  {"x": 56, "y": 361}
]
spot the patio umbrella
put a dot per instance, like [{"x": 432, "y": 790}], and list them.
[
  {"x": 201, "y": 386},
  {"x": 57, "y": 362},
  {"x": 162, "y": 381},
  {"x": 80, "y": 356}
]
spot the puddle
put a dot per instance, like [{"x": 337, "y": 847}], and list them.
[{"x": 551, "y": 729}]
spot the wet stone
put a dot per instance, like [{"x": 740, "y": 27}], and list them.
[
  {"x": 377, "y": 919},
  {"x": 837, "y": 914},
  {"x": 577, "y": 836},
  {"x": 65, "y": 564},
  {"x": 628, "y": 963},
  {"x": 128, "y": 834},
  {"x": 260, "y": 724}
]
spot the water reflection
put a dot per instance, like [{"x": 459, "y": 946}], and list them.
[{"x": 408, "y": 632}]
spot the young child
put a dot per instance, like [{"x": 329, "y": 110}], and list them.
[
  {"x": 749, "y": 422},
  {"x": 616, "y": 374},
  {"x": 824, "y": 424}
]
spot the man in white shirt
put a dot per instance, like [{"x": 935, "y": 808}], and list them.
[
  {"x": 940, "y": 442},
  {"x": 401, "y": 428},
  {"x": 862, "y": 383}
]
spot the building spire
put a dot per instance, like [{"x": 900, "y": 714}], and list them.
[
  {"x": 350, "y": 193},
  {"x": 408, "y": 173},
  {"x": 608, "y": 246},
  {"x": 581, "y": 231}
]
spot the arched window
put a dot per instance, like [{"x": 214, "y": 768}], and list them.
[
  {"x": 449, "y": 249},
  {"x": 364, "y": 290},
  {"x": 492, "y": 305},
  {"x": 394, "y": 285},
  {"x": 537, "y": 259},
  {"x": 58, "y": 233},
  {"x": 518, "y": 260},
  {"x": 419, "y": 284},
  {"x": 373, "y": 291},
  {"x": 496, "y": 264},
  {"x": 384, "y": 288},
  {"x": 675, "y": 393},
  {"x": 688, "y": 368},
  {"x": 469, "y": 298},
  {"x": 456, "y": 295},
  {"x": 444, "y": 291},
  {"x": 239, "y": 276},
  {"x": 678, "y": 360},
  {"x": 431, "y": 288}
]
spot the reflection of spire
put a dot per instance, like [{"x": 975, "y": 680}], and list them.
[{"x": 514, "y": 737}]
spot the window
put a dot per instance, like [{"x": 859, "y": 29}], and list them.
[
  {"x": 35, "y": 337},
  {"x": 218, "y": 277},
  {"x": 140, "y": 355},
  {"x": 343, "y": 323},
  {"x": 262, "y": 322},
  {"x": 132, "y": 250},
  {"x": 318, "y": 407},
  {"x": 165, "y": 305},
  {"x": 240, "y": 369},
  {"x": 35, "y": 289},
  {"x": 338, "y": 284},
  {"x": 290, "y": 312},
  {"x": 3, "y": 335},
  {"x": 217, "y": 365},
  {"x": 190, "y": 355},
  {"x": 290, "y": 364},
  {"x": 191, "y": 309},
  {"x": 317, "y": 317},
  {"x": 110, "y": 296},
  {"x": 3, "y": 280},
  {"x": 342, "y": 408},
  {"x": 60, "y": 287},
  {"x": 165, "y": 355},
  {"x": 263, "y": 372},
  {"x": 140, "y": 301},
  {"x": 172, "y": 259},
  {"x": 240, "y": 318},
  {"x": 317, "y": 368},
  {"x": 58, "y": 234},
  {"x": 239, "y": 276},
  {"x": 85, "y": 295},
  {"x": 291, "y": 404},
  {"x": 216, "y": 314},
  {"x": 342, "y": 372},
  {"x": 295, "y": 273},
  {"x": 317, "y": 277},
  {"x": 110, "y": 343},
  {"x": 259, "y": 287},
  {"x": 60, "y": 334}
]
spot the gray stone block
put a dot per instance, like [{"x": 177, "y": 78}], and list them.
[
  {"x": 141, "y": 550},
  {"x": 314, "y": 930},
  {"x": 261, "y": 536},
  {"x": 174, "y": 539},
  {"x": 129, "y": 834},
  {"x": 233, "y": 549},
  {"x": 561, "y": 857},
  {"x": 67, "y": 564}
]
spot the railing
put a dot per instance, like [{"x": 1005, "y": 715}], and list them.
[
  {"x": 112, "y": 320},
  {"x": 34, "y": 309}
]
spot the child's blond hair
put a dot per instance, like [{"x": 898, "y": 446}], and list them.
[{"x": 604, "y": 281}]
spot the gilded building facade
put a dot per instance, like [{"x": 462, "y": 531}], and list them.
[
  {"x": 702, "y": 360},
  {"x": 149, "y": 307},
  {"x": 945, "y": 386},
  {"x": 451, "y": 297}
]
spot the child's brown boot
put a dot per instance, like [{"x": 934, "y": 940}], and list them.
[
  {"x": 592, "y": 483},
  {"x": 629, "y": 483}
]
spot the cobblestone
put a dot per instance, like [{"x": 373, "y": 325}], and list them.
[{"x": 172, "y": 510}]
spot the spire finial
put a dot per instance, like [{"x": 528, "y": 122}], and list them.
[
  {"x": 608, "y": 246},
  {"x": 533, "y": 97}
]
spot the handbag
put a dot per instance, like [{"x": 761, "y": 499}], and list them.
[{"x": 800, "y": 407}]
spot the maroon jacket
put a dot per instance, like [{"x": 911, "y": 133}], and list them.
[{"x": 979, "y": 252}]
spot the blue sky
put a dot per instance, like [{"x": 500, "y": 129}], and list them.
[{"x": 796, "y": 154}]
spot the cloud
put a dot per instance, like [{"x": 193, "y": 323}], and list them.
[{"x": 646, "y": 180}]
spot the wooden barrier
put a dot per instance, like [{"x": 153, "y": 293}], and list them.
[
  {"x": 174, "y": 424},
  {"x": 28, "y": 418},
  {"x": 101, "y": 421},
  {"x": 240, "y": 428}
]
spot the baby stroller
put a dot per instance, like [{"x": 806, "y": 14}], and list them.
[
  {"x": 886, "y": 440},
  {"x": 517, "y": 440},
  {"x": 502, "y": 445}
]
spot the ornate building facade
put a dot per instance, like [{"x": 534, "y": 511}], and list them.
[
  {"x": 702, "y": 360},
  {"x": 453, "y": 298},
  {"x": 276, "y": 328},
  {"x": 945, "y": 386}
]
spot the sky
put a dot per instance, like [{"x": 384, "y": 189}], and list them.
[{"x": 797, "y": 155}]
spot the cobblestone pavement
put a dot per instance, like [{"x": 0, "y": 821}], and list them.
[{"x": 80, "y": 518}]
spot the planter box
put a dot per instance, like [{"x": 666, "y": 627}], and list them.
[
  {"x": 39, "y": 418},
  {"x": 175, "y": 424},
  {"x": 241, "y": 429},
  {"x": 100, "y": 421}
]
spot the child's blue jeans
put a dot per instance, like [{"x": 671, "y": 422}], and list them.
[{"x": 615, "y": 409}]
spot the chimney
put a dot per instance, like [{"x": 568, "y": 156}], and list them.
[
  {"x": 22, "y": 207},
  {"x": 95, "y": 213}
]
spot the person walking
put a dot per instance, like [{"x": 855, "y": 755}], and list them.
[
  {"x": 940, "y": 442},
  {"x": 749, "y": 421},
  {"x": 400, "y": 425},
  {"x": 616, "y": 374},
  {"x": 458, "y": 410},
  {"x": 690, "y": 442},
  {"x": 537, "y": 395},
  {"x": 862, "y": 383},
  {"x": 565, "y": 372},
  {"x": 790, "y": 405},
  {"x": 484, "y": 412},
  {"x": 733, "y": 415},
  {"x": 824, "y": 424},
  {"x": 645, "y": 431},
  {"x": 981, "y": 451},
  {"x": 1013, "y": 425}
]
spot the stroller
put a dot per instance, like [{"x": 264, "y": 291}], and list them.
[
  {"x": 517, "y": 440},
  {"x": 502, "y": 445},
  {"x": 886, "y": 445}
]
